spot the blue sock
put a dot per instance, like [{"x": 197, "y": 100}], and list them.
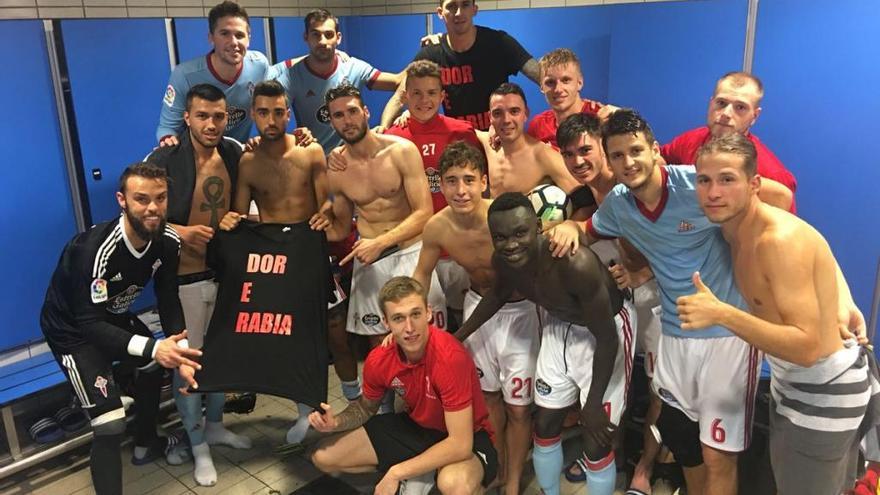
[
  {"x": 351, "y": 390},
  {"x": 548, "y": 464},
  {"x": 601, "y": 481}
]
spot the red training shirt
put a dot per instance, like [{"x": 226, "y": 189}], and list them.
[
  {"x": 543, "y": 126},
  {"x": 431, "y": 138},
  {"x": 444, "y": 380},
  {"x": 683, "y": 150}
]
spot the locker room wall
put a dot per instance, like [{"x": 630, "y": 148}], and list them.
[
  {"x": 37, "y": 218},
  {"x": 371, "y": 38},
  {"x": 192, "y": 37},
  {"x": 585, "y": 30},
  {"x": 661, "y": 58},
  {"x": 819, "y": 117},
  {"x": 666, "y": 57}
]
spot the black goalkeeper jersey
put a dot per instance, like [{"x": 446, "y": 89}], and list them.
[
  {"x": 268, "y": 332},
  {"x": 97, "y": 279}
]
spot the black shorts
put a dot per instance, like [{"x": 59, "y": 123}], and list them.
[
  {"x": 90, "y": 372},
  {"x": 396, "y": 438}
]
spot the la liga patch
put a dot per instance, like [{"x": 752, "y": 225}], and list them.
[{"x": 99, "y": 290}]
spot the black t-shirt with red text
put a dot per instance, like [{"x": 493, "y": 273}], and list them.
[
  {"x": 268, "y": 333},
  {"x": 469, "y": 77}
]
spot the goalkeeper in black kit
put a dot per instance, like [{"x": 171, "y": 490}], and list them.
[{"x": 88, "y": 325}]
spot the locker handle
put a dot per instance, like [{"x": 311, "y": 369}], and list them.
[{"x": 96, "y": 174}]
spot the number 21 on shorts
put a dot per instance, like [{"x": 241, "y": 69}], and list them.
[{"x": 522, "y": 389}]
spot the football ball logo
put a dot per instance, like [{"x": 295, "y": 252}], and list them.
[{"x": 551, "y": 203}]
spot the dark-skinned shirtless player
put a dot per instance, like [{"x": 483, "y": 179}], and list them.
[{"x": 587, "y": 344}]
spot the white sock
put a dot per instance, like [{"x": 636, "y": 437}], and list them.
[
  {"x": 140, "y": 452},
  {"x": 298, "y": 431},
  {"x": 217, "y": 434},
  {"x": 204, "y": 473},
  {"x": 419, "y": 485}
]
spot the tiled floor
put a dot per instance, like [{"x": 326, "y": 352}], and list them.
[{"x": 257, "y": 470}]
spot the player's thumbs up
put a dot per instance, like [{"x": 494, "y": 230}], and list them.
[{"x": 698, "y": 283}]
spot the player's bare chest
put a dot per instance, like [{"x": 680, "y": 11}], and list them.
[
  {"x": 507, "y": 175},
  {"x": 749, "y": 280},
  {"x": 367, "y": 181}
]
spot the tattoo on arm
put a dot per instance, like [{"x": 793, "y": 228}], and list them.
[
  {"x": 213, "y": 188},
  {"x": 356, "y": 414}
]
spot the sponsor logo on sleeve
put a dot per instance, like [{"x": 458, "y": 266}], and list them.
[
  {"x": 99, "y": 290},
  {"x": 170, "y": 94}
]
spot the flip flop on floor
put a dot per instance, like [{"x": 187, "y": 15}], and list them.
[
  {"x": 71, "y": 419},
  {"x": 633, "y": 491},
  {"x": 160, "y": 448},
  {"x": 46, "y": 430}
]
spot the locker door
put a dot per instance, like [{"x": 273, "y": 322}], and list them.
[
  {"x": 118, "y": 73},
  {"x": 38, "y": 216}
]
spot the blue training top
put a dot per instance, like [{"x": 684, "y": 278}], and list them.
[
  {"x": 306, "y": 90},
  {"x": 677, "y": 240},
  {"x": 255, "y": 68}
]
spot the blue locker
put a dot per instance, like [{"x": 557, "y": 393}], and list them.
[
  {"x": 289, "y": 42},
  {"x": 388, "y": 43},
  {"x": 118, "y": 73},
  {"x": 666, "y": 57},
  {"x": 192, "y": 37},
  {"x": 585, "y": 30},
  {"x": 38, "y": 216},
  {"x": 818, "y": 63}
]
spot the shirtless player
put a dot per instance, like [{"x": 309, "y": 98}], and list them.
[
  {"x": 796, "y": 295},
  {"x": 288, "y": 184},
  {"x": 202, "y": 169},
  {"x": 506, "y": 347},
  {"x": 587, "y": 341},
  {"x": 385, "y": 181},
  {"x": 523, "y": 162}
]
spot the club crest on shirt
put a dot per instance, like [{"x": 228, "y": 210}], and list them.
[
  {"x": 156, "y": 265},
  {"x": 170, "y": 94},
  {"x": 685, "y": 226},
  {"x": 101, "y": 385},
  {"x": 99, "y": 290},
  {"x": 429, "y": 390},
  {"x": 323, "y": 114},
  {"x": 251, "y": 87}
]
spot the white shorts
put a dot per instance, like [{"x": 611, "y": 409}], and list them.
[
  {"x": 197, "y": 300},
  {"x": 505, "y": 349},
  {"x": 364, "y": 313},
  {"x": 713, "y": 382},
  {"x": 647, "y": 302},
  {"x": 565, "y": 363},
  {"x": 455, "y": 282}
]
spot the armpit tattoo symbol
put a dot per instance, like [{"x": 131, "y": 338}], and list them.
[{"x": 213, "y": 190}]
